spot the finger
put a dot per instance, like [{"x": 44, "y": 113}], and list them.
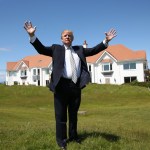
[
  {"x": 113, "y": 31},
  {"x": 110, "y": 30},
  {"x": 106, "y": 33},
  {"x": 26, "y": 23},
  {"x": 25, "y": 28},
  {"x": 30, "y": 23}
]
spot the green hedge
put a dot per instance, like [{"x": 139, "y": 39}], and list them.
[{"x": 144, "y": 84}]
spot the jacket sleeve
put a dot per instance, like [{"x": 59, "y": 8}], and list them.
[
  {"x": 41, "y": 49},
  {"x": 95, "y": 50}
]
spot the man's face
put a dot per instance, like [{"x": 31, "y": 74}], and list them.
[{"x": 67, "y": 37}]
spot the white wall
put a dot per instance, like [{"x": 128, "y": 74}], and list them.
[{"x": 118, "y": 73}]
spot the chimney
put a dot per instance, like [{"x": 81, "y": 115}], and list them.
[{"x": 85, "y": 44}]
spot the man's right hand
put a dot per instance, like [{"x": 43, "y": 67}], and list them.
[{"x": 29, "y": 28}]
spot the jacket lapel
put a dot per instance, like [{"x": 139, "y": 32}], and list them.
[{"x": 79, "y": 51}]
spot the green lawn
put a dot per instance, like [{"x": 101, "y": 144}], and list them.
[{"x": 115, "y": 118}]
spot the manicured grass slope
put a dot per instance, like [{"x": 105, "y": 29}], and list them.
[{"x": 114, "y": 118}]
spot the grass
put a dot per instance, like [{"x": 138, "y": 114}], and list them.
[{"x": 116, "y": 118}]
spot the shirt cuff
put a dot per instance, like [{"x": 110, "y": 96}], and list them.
[
  {"x": 105, "y": 43},
  {"x": 32, "y": 39}
]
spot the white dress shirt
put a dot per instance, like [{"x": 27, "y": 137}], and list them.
[{"x": 67, "y": 73}]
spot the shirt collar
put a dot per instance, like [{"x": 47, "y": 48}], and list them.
[{"x": 66, "y": 47}]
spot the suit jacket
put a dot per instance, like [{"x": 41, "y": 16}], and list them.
[{"x": 57, "y": 52}]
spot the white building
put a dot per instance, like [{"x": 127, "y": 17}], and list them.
[
  {"x": 115, "y": 65},
  {"x": 31, "y": 70}
]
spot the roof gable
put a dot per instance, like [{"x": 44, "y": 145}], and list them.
[
  {"x": 11, "y": 66},
  {"x": 23, "y": 65},
  {"x": 36, "y": 61},
  {"x": 120, "y": 53},
  {"x": 106, "y": 57}
]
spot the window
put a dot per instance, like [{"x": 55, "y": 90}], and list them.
[
  {"x": 107, "y": 67},
  {"x": 23, "y": 72},
  {"x": 145, "y": 66},
  {"x": 129, "y": 79},
  {"x": 47, "y": 82},
  {"x": 34, "y": 71},
  {"x": 38, "y": 71},
  {"x": 132, "y": 65},
  {"x": 12, "y": 73},
  {"x": 89, "y": 67},
  {"x": 46, "y": 71},
  {"x": 128, "y": 66}
]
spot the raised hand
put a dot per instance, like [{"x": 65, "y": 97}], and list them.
[
  {"x": 110, "y": 34},
  {"x": 29, "y": 28}
]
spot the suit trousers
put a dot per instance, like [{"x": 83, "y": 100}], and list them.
[{"x": 67, "y": 100}]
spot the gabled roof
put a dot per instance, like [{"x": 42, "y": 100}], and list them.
[
  {"x": 120, "y": 53},
  {"x": 35, "y": 61},
  {"x": 26, "y": 62},
  {"x": 11, "y": 65},
  {"x": 38, "y": 61}
]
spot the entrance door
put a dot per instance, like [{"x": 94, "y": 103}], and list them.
[{"x": 107, "y": 80}]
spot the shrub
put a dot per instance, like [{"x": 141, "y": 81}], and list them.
[{"x": 136, "y": 83}]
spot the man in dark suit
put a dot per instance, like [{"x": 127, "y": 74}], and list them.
[{"x": 69, "y": 75}]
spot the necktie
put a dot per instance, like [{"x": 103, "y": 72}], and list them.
[{"x": 73, "y": 67}]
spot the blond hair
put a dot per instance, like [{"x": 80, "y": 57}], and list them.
[{"x": 69, "y": 31}]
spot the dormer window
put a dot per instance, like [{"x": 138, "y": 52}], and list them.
[
  {"x": 107, "y": 67},
  {"x": 23, "y": 73}
]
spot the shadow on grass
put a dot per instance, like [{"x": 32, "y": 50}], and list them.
[{"x": 106, "y": 136}]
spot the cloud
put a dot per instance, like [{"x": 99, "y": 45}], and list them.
[{"x": 4, "y": 49}]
